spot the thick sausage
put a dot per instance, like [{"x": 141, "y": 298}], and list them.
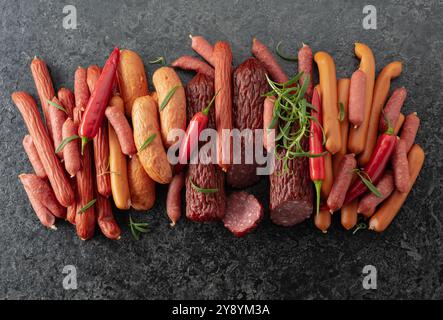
[
  {"x": 342, "y": 181},
  {"x": 249, "y": 87},
  {"x": 132, "y": 79},
  {"x": 42, "y": 191},
  {"x": 173, "y": 114},
  {"x": 203, "y": 48},
  {"x": 45, "y": 149},
  {"x": 357, "y": 98},
  {"x": 343, "y": 99},
  {"x": 67, "y": 99},
  {"x": 57, "y": 118},
  {"x": 322, "y": 220},
  {"x": 81, "y": 89},
  {"x": 199, "y": 92},
  {"x": 223, "y": 102},
  {"x": 264, "y": 55},
  {"x": 358, "y": 136},
  {"x": 409, "y": 130},
  {"x": 117, "y": 164},
  {"x": 33, "y": 157},
  {"x": 71, "y": 152},
  {"x": 173, "y": 199},
  {"x": 399, "y": 162},
  {"x": 381, "y": 90},
  {"x": 268, "y": 115},
  {"x": 122, "y": 129},
  {"x": 348, "y": 215},
  {"x": 387, "y": 212},
  {"x": 243, "y": 213},
  {"x": 328, "y": 85},
  {"x": 85, "y": 221},
  {"x": 193, "y": 64},
  {"x": 43, "y": 214},
  {"x": 203, "y": 206},
  {"x": 153, "y": 157},
  {"x": 141, "y": 186},
  {"x": 290, "y": 191},
  {"x": 370, "y": 201},
  {"x": 45, "y": 88},
  {"x": 106, "y": 220},
  {"x": 391, "y": 111},
  {"x": 305, "y": 66}
]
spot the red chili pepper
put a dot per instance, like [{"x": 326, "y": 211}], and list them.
[
  {"x": 95, "y": 110},
  {"x": 316, "y": 164},
  {"x": 375, "y": 168},
  {"x": 189, "y": 143}
]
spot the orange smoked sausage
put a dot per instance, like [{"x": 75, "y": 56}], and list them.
[
  {"x": 358, "y": 136},
  {"x": 389, "y": 209},
  {"x": 328, "y": 85}
]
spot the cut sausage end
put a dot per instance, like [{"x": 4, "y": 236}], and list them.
[
  {"x": 284, "y": 215},
  {"x": 243, "y": 213}
]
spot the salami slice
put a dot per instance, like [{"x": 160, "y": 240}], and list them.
[{"x": 243, "y": 213}]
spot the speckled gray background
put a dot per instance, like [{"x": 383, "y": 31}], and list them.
[{"x": 205, "y": 260}]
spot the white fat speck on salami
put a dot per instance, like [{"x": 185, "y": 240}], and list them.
[{"x": 243, "y": 213}]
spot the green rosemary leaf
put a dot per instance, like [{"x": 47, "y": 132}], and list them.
[
  {"x": 168, "y": 97},
  {"x": 87, "y": 206},
  {"x": 65, "y": 142},
  {"x": 203, "y": 190}
]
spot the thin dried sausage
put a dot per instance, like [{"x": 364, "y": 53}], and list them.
[{"x": 45, "y": 149}]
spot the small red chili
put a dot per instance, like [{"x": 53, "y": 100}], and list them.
[
  {"x": 316, "y": 163},
  {"x": 189, "y": 143},
  {"x": 95, "y": 110},
  {"x": 376, "y": 166}
]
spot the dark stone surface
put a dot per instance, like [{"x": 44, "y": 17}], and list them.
[{"x": 205, "y": 260}]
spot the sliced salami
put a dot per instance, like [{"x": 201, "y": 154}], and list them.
[{"x": 243, "y": 213}]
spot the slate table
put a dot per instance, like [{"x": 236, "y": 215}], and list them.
[{"x": 205, "y": 260}]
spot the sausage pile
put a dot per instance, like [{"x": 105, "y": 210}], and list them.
[{"x": 111, "y": 139}]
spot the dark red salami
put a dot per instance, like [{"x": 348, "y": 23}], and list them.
[
  {"x": 202, "y": 206},
  {"x": 290, "y": 192},
  {"x": 243, "y": 213},
  {"x": 249, "y": 86},
  {"x": 199, "y": 92}
]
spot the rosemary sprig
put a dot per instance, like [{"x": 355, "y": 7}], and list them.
[
  {"x": 168, "y": 97},
  {"x": 292, "y": 119},
  {"x": 283, "y": 56},
  {"x": 137, "y": 228},
  {"x": 158, "y": 60},
  {"x": 147, "y": 142},
  {"x": 202, "y": 190},
  {"x": 65, "y": 142},
  {"x": 87, "y": 206},
  {"x": 52, "y": 103}
]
